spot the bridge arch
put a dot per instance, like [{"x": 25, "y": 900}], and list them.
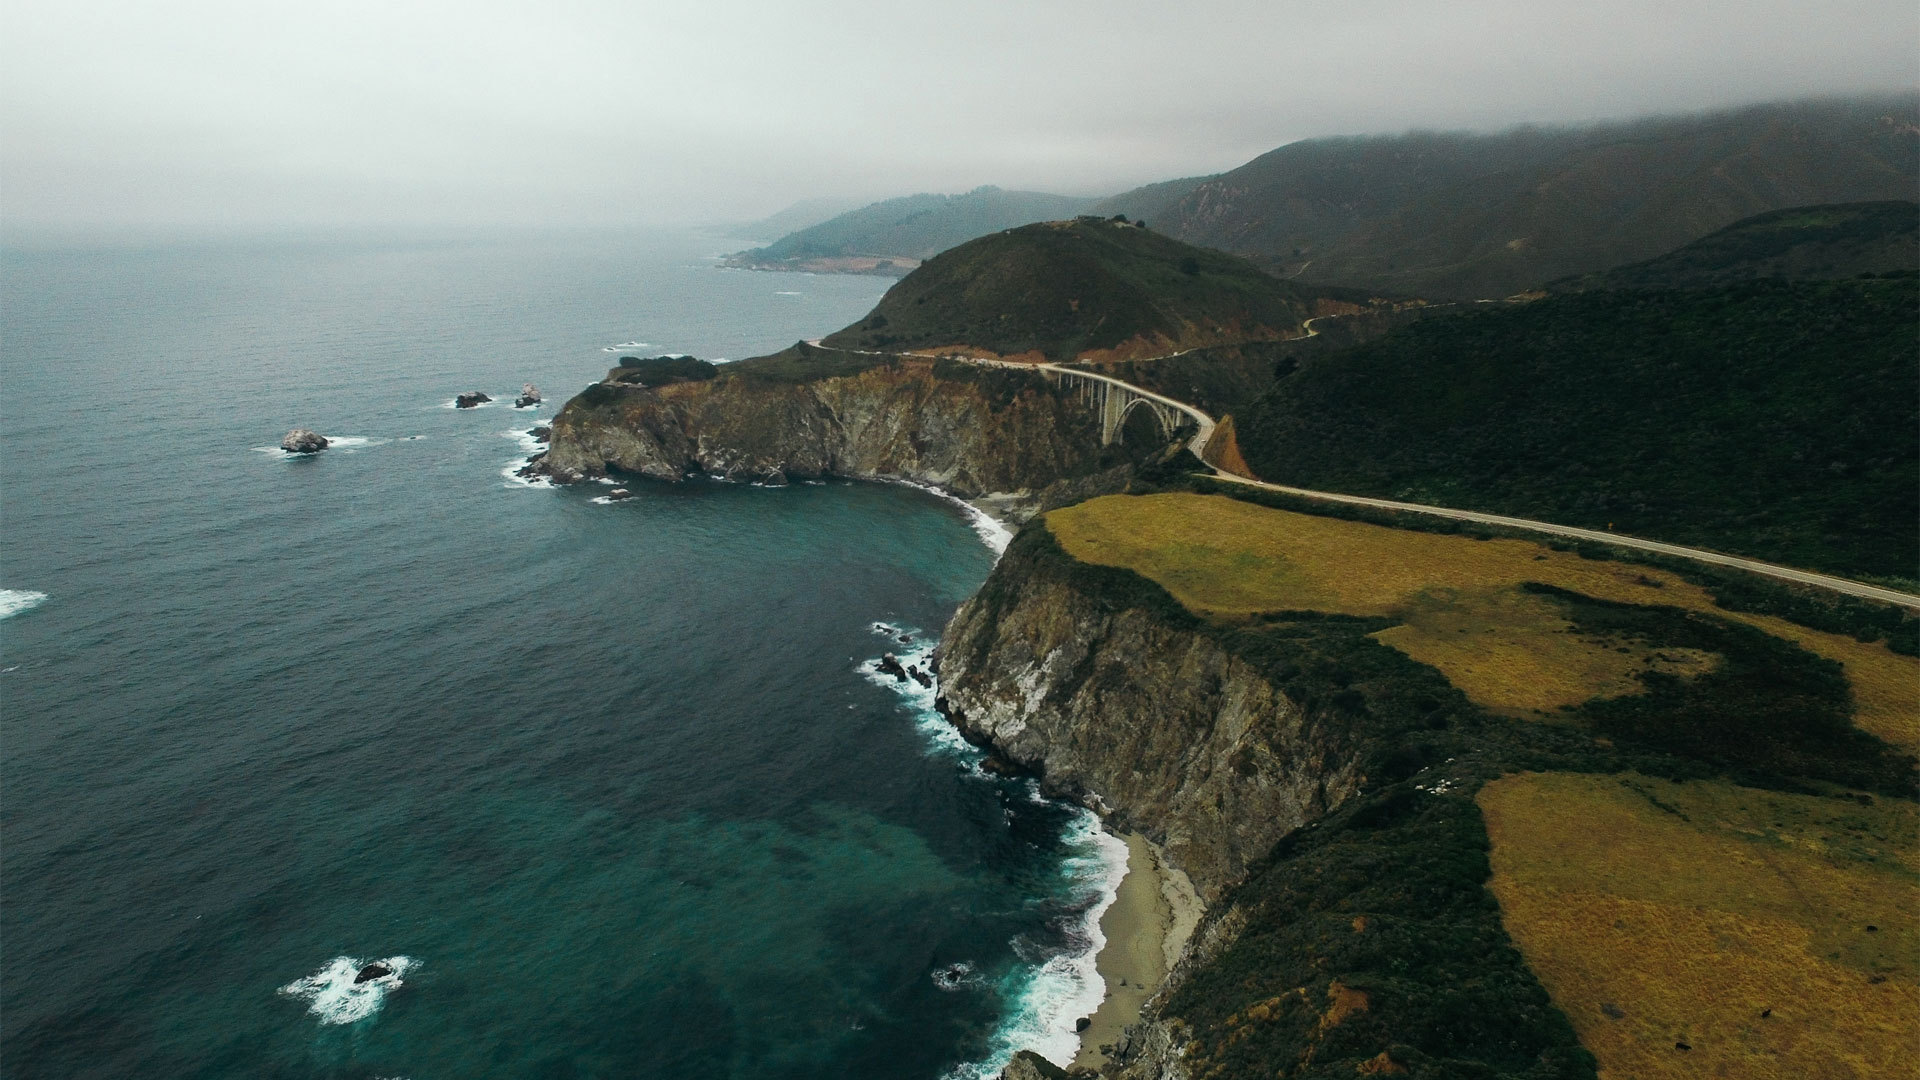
[
  {"x": 1113, "y": 401},
  {"x": 1165, "y": 419}
]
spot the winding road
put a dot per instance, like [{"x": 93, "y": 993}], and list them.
[{"x": 1198, "y": 444}]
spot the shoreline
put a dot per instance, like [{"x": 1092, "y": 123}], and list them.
[
  {"x": 1155, "y": 909},
  {"x": 1154, "y": 913}
]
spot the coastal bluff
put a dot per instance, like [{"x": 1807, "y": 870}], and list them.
[
  {"x": 1138, "y": 714},
  {"x": 1131, "y": 708},
  {"x": 811, "y": 413}
]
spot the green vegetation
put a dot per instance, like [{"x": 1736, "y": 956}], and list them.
[
  {"x": 801, "y": 362},
  {"x": 1218, "y": 380},
  {"x": 1064, "y": 289},
  {"x": 1730, "y": 589},
  {"x": 1370, "y": 941},
  {"x": 918, "y": 226},
  {"x": 1492, "y": 615},
  {"x": 1221, "y": 380},
  {"x": 661, "y": 370},
  {"x": 1465, "y": 216},
  {"x": 1805, "y": 243},
  {"x": 1769, "y": 709},
  {"x": 1771, "y": 419}
]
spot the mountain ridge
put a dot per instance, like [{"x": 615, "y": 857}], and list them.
[
  {"x": 1475, "y": 216},
  {"x": 894, "y": 235},
  {"x": 1069, "y": 289}
]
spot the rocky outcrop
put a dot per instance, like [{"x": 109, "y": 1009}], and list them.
[
  {"x": 1147, "y": 715},
  {"x": 302, "y": 441},
  {"x": 470, "y": 399},
  {"x": 1149, "y": 719},
  {"x": 969, "y": 431},
  {"x": 1027, "y": 1065},
  {"x": 529, "y": 395}
]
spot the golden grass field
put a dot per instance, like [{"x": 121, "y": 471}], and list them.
[
  {"x": 1770, "y": 935},
  {"x": 1458, "y": 599}
]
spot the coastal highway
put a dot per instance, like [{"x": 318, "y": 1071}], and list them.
[
  {"x": 1206, "y": 423},
  {"x": 1803, "y": 577}
]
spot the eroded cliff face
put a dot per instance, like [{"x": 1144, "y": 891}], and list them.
[
  {"x": 1148, "y": 719},
  {"x": 990, "y": 432},
  {"x": 1117, "y": 697}
]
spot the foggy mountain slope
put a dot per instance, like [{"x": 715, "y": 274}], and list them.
[
  {"x": 916, "y": 227},
  {"x": 1802, "y": 243},
  {"x": 1461, "y": 216}
]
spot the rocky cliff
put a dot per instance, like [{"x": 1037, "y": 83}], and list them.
[
  {"x": 1100, "y": 683},
  {"x": 971, "y": 431},
  {"x": 1140, "y": 712}
]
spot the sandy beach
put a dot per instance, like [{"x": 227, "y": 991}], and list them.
[{"x": 1146, "y": 928}]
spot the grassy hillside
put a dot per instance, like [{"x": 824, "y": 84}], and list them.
[
  {"x": 1663, "y": 861},
  {"x": 1804, "y": 243},
  {"x": 1491, "y": 615},
  {"x": 1770, "y": 419},
  {"x": 1481, "y": 216},
  {"x": 1617, "y": 888},
  {"x": 918, "y": 227},
  {"x": 1068, "y": 288}
]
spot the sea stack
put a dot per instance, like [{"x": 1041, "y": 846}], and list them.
[
  {"x": 529, "y": 395},
  {"x": 470, "y": 399},
  {"x": 302, "y": 441}
]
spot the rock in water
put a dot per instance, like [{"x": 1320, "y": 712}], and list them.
[
  {"x": 619, "y": 493},
  {"x": 541, "y": 434},
  {"x": 372, "y": 971},
  {"x": 529, "y": 395},
  {"x": 302, "y": 441},
  {"x": 891, "y": 665},
  {"x": 469, "y": 399}
]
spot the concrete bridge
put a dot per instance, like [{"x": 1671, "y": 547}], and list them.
[{"x": 1113, "y": 401}]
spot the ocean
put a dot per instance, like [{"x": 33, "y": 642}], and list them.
[{"x": 613, "y": 789}]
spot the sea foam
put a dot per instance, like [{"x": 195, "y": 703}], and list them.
[
  {"x": 991, "y": 532},
  {"x": 1050, "y": 992},
  {"x": 15, "y": 601},
  {"x": 1065, "y": 987},
  {"x": 943, "y": 740},
  {"x": 333, "y": 996},
  {"x": 334, "y": 442}
]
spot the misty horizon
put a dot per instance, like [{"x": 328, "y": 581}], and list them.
[{"x": 217, "y": 117}]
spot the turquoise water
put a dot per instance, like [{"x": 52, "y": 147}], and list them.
[{"x": 613, "y": 788}]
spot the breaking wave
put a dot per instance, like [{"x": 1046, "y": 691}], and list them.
[
  {"x": 15, "y": 601},
  {"x": 1050, "y": 991},
  {"x": 334, "y": 997}
]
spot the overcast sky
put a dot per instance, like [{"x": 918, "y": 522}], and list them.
[{"x": 254, "y": 112}]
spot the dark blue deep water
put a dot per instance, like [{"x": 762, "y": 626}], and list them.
[{"x": 610, "y": 786}]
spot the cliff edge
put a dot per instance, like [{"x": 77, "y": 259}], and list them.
[{"x": 811, "y": 412}]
